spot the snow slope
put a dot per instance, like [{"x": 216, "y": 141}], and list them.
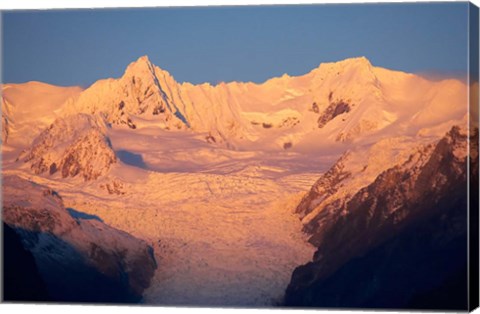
[{"x": 29, "y": 108}]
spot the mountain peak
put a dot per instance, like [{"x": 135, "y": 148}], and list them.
[
  {"x": 356, "y": 71},
  {"x": 357, "y": 62},
  {"x": 143, "y": 60},
  {"x": 141, "y": 65}
]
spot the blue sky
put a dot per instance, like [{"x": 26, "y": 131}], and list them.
[{"x": 213, "y": 44}]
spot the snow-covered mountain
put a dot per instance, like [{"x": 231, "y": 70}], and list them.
[
  {"x": 144, "y": 91},
  {"x": 352, "y": 210},
  {"x": 80, "y": 258},
  {"x": 202, "y": 171},
  {"x": 339, "y": 101}
]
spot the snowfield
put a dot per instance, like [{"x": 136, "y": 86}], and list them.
[{"x": 219, "y": 239}]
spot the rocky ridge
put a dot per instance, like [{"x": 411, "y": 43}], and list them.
[
  {"x": 427, "y": 186},
  {"x": 79, "y": 258},
  {"x": 73, "y": 146}
]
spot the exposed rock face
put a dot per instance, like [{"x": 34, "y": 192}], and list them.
[
  {"x": 354, "y": 170},
  {"x": 73, "y": 146},
  {"x": 333, "y": 110},
  {"x": 377, "y": 246},
  {"x": 324, "y": 188},
  {"x": 79, "y": 259},
  {"x": 422, "y": 267}
]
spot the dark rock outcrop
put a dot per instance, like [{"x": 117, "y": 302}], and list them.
[
  {"x": 398, "y": 241},
  {"x": 333, "y": 110},
  {"x": 22, "y": 281},
  {"x": 78, "y": 259}
]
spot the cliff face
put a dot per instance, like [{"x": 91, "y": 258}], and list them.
[
  {"x": 21, "y": 277},
  {"x": 400, "y": 236},
  {"x": 79, "y": 260}
]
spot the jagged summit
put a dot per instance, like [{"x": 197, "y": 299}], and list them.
[
  {"x": 349, "y": 62},
  {"x": 143, "y": 91},
  {"x": 358, "y": 69},
  {"x": 141, "y": 65},
  {"x": 142, "y": 59},
  {"x": 337, "y": 101},
  {"x": 362, "y": 60}
]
